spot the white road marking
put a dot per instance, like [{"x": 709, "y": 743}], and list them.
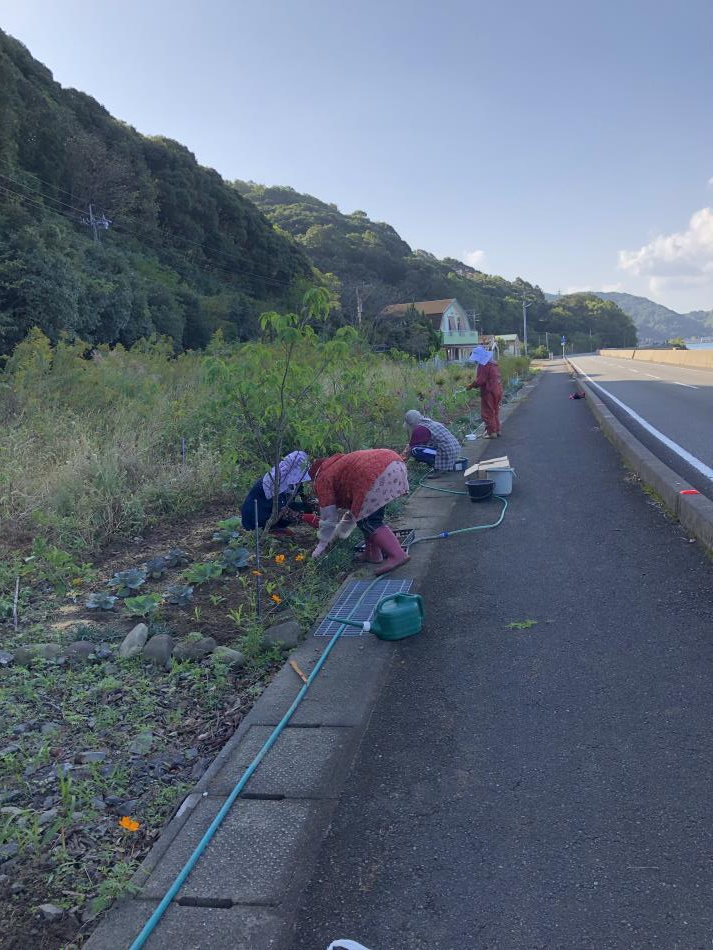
[
  {"x": 651, "y": 375},
  {"x": 687, "y": 385},
  {"x": 669, "y": 443}
]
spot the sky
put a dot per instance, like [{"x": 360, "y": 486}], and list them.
[{"x": 568, "y": 142}]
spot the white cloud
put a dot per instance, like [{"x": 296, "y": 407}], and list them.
[
  {"x": 684, "y": 258},
  {"x": 578, "y": 290},
  {"x": 474, "y": 258}
]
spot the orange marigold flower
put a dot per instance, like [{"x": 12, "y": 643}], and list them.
[
  {"x": 257, "y": 573},
  {"x": 279, "y": 558},
  {"x": 129, "y": 823},
  {"x": 299, "y": 557},
  {"x": 276, "y": 597}
]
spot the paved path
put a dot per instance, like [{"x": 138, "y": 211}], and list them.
[
  {"x": 546, "y": 787},
  {"x": 675, "y": 400}
]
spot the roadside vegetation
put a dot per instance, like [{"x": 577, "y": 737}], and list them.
[{"x": 121, "y": 473}]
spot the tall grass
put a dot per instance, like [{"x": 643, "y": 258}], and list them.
[{"x": 91, "y": 440}]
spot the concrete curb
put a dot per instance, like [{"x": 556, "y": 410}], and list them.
[
  {"x": 694, "y": 511},
  {"x": 281, "y": 801}
]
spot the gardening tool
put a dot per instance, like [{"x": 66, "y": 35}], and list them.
[{"x": 396, "y": 617}]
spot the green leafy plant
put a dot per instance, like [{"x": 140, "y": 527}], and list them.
[
  {"x": 230, "y": 524},
  {"x": 143, "y": 605},
  {"x": 156, "y": 567},
  {"x": 127, "y": 581},
  {"x": 522, "y": 624},
  {"x": 55, "y": 566},
  {"x": 200, "y": 573},
  {"x": 179, "y": 594},
  {"x": 177, "y": 557},
  {"x": 233, "y": 559},
  {"x": 100, "y": 601}
]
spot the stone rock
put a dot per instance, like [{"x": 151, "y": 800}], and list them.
[
  {"x": 232, "y": 658},
  {"x": 159, "y": 649},
  {"x": 81, "y": 649},
  {"x": 194, "y": 649},
  {"x": 43, "y": 651},
  {"x": 287, "y": 633},
  {"x": 50, "y": 728},
  {"x": 104, "y": 651},
  {"x": 8, "y": 851},
  {"x": 134, "y": 641},
  {"x": 86, "y": 758},
  {"x": 5, "y": 658},
  {"x": 51, "y": 912},
  {"x": 47, "y": 816},
  {"x": 17, "y": 888},
  {"x": 142, "y": 744},
  {"x": 4, "y": 879}
]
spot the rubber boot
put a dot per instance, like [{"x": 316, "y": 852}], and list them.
[
  {"x": 372, "y": 552},
  {"x": 395, "y": 555}
]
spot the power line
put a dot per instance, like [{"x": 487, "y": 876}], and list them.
[
  {"x": 228, "y": 257},
  {"x": 205, "y": 265}
]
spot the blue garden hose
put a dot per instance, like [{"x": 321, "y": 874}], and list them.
[{"x": 178, "y": 883}]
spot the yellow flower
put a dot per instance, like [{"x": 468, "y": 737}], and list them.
[
  {"x": 276, "y": 597},
  {"x": 299, "y": 557},
  {"x": 129, "y": 823},
  {"x": 257, "y": 573},
  {"x": 279, "y": 558}
]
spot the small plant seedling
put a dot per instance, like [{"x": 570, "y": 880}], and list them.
[
  {"x": 143, "y": 605},
  {"x": 197, "y": 614},
  {"x": 225, "y": 537},
  {"x": 522, "y": 624},
  {"x": 230, "y": 524},
  {"x": 100, "y": 601},
  {"x": 228, "y": 530},
  {"x": 126, "y": 582},
  {"x": 177, "y": 557},
  {"x": 200, "y": 573},
  {"x": 215, "y": 599},
  {"x": 156, "y": 567},
  {"x": 233, "y": 559},
  {"x": 179, "y": 595}
]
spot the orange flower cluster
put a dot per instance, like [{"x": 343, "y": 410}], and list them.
[{"x": 130, "y": 824}]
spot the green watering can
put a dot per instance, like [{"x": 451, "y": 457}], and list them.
[{"x": 396, "y": 617}]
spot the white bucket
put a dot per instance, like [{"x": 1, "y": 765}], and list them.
[{"x": 502, "y": 478}]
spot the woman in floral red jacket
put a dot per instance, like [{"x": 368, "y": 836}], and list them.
[{"x": 360, "y": 484}]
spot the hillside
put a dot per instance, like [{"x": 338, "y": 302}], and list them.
[
  {"x": 374, "y": 266},
  {"x": 183, "y": 255},
  {"x": 656, "y": 323}
]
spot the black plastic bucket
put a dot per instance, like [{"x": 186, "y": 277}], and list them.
[{"x": 480, "y": 489}]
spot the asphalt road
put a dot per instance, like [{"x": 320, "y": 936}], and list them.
[
  {"x": 542, "y": 786},
  {"x": 676, "y": 401}
]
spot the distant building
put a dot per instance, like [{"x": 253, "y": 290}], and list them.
[
  {"x": 509, "y": 343},
  {"x": 448, "y": 316}
]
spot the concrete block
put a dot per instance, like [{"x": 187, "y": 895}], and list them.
[
  {"x": 664, "y": 481},
  {"x": 695, "y": 512},
  {"x": 341, "y": 695},
  {"x": 251, "y": 859},
  {"x": 190, "y": 928},
  {"x": 303, "y": 763}
]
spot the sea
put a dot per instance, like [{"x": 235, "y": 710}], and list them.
[{"x": 700, "y": 346}]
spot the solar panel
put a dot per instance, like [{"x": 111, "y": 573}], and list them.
[{"x": 349, "y": 597}]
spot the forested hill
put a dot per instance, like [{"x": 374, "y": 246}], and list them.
[
  {"x": 655, "y": 322},
  {"x": 374, "y": 265},
  {"x": 184, "y": 254}
]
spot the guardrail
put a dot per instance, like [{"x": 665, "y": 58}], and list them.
[{"x": 695, "y": 359}]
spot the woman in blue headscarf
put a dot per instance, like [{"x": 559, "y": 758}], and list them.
[{"x": 293, "y": 473}]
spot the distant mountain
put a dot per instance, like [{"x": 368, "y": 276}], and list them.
[{"x": 654, "y": 322}]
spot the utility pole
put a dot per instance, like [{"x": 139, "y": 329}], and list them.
[
  {"x": 524, "y": 320},
  {"x": 92, "y": 223},
  {"x": 360, "y": 306}
]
